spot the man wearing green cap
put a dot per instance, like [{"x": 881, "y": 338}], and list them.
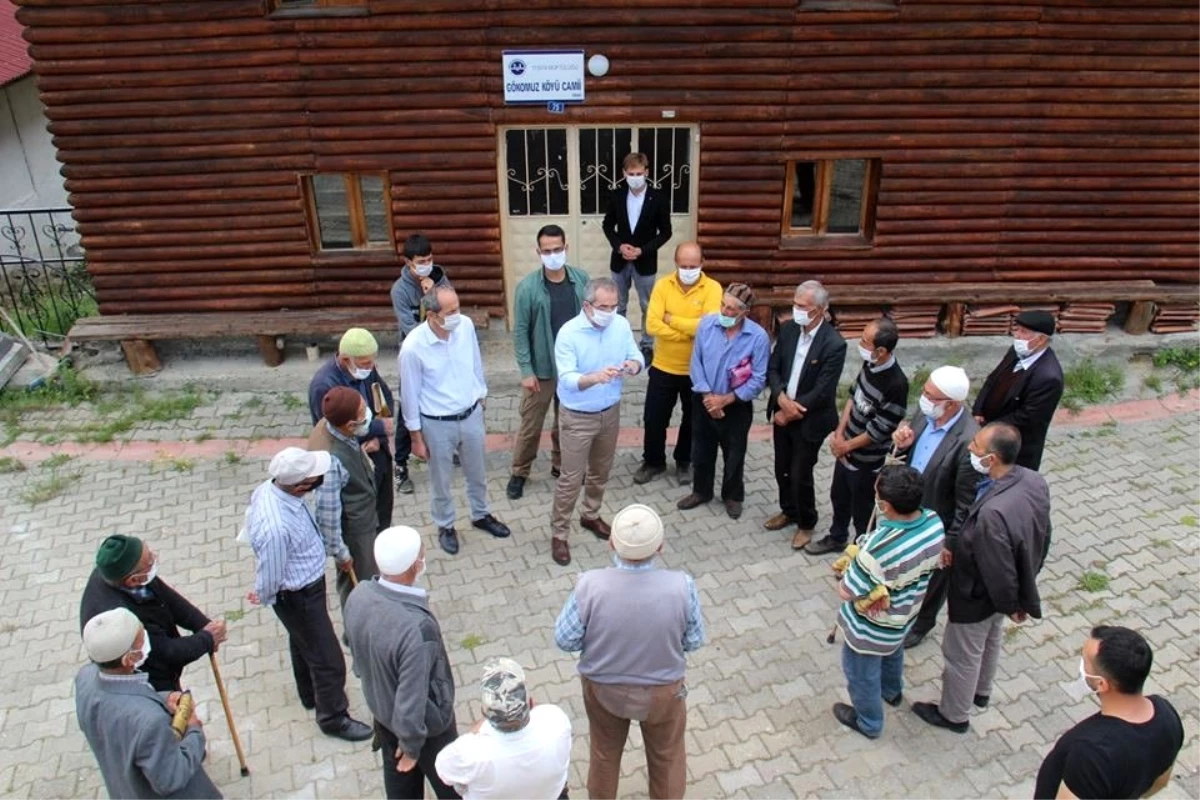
[
  {"x": 126, "y": 576},
  {"x": 354, "y": 366}
]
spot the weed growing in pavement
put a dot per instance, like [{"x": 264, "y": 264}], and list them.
[
  {"x": 9, "y": 465},
  {"x": 55, "y": 461},
  {"x": 232, "y": 457},
  {"x": 253, "y": 404},
  {"x": 471, "y": 641},
  {"x": 50, "y": 487},
  {"x": 916, "y": 384},
  {"x": 1189, "y": 521},
  {"x": 293, "y": 402},
  {"x": 181, "y": 464},
  {"x": 1093, "y": 581},
  {"x": 234, "y": 615},
  {"x": 1153, "y": 383},
  {"x": 1088, "y": 383},
  {"x": 1184, "y": 357}
]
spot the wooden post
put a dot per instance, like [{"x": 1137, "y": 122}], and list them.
[
  {"x": 1141, "y": 314},
  {"x": 141, "y": 356},
  {"x": 271, "y": 353},
  {"x": 954, "y": 319}
]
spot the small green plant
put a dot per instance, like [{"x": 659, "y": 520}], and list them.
[
  {"x": 253, "y": 404},
  {"x": 1093, "y": 581},
  {"x": 234, "y": 615},
  {"x": 1012, "y": 632},
  {"x": 232, "y": 457},
  {"x": 1164, "y": 543},
  {"x": 916, "y": 384},
  {"x": 293, "y": 402},
  {"x": 471, "y": 641},
  {"x": 1153, "y": 383},
  {"x": 1184, "y": 357},
  {"x": 9, "y": 465},
  {"x": 1189, "y": 521},
  {"x": 181, "y": 464},
  {"x": 55, "y": 461},
  {"x": 50, "y": 487},
  {"x": 1088, "y": 383},
  {"x": 203, "y": 436}
]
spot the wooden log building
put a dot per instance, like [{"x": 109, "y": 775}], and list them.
[{"x": 259, "y": 155}]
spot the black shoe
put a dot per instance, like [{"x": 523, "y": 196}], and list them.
[
  {"x": 848, "y": 716},
  {"x": 683, "y": 474},
  {"x": 403, "y": 484},
  {"x": 930, "y": 713},
  {"x": 492, "y": 525},
  {"x": 555, "y": 472},
  {"x": 895, "y": 701},
  {"x": 824, "y": 545},
  {"x": 914, "y": 638},
  {"x": 982, "y": 700},
  {"x": 349, "y": 729},
  {"x": 308, "y": 704},
  {"x": 733, "y": 508},
  {"x": 448, "y": 539},
  {"x": 457, "y": 461},
  {"x": 647, "y": 473},
  {"x": 516, "y": 487}
]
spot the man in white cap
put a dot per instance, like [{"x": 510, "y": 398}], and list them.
[
  {"x": 290, "y": 578},
  {"x": 128, "y": 724},
  {"x": 515, "y": 749},
  {"x": 935, "y": 444},
  {"x": 401, "y": 659},
  {"x": 634, "y": 672}
]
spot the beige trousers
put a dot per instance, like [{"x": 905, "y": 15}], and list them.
[
  {"x": 534, "y": 406},
  {"x": 588, "y": 443}
]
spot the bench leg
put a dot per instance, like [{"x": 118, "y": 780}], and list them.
[
  {"x": 141, "y": 356},
  {"x": 1141, "y": 314},
  {"x": 954, "y": 319},
  {"x": 271, "y": 354}
]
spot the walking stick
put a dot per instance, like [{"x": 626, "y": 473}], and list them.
[
  {"x": 353, "y": 577},
  {"x": 237, "y": 743}
]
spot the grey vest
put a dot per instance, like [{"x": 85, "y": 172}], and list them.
[
  {"x": 359, "y": 515},
  {"x": 634, "y": 623}
]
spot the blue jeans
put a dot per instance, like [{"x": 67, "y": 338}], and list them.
[
  {"x": 869, "y": 679},
  {"x": 644, "y": 285}
]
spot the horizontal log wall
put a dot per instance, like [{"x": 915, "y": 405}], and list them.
[{"x": 1019, "y": 140}]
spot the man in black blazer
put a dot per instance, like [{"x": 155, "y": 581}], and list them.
[
  {"x": 637, "y": 223},
  {"x": 1025, "y": 388},
  {"x": 935, "y": 444},
  {"x": 803, "y": 377}
]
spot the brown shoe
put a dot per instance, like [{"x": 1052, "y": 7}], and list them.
[
  {"x": 801, "y": 538},
  {"x": 597, "y": 526},
  {"x": 560, "y": 551},
  {"x": 691, "y": 501},
  {"x": 733, "y": 508},
  {"x": 778, "y": 522}
]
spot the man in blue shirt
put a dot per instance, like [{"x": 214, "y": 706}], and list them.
[
  {"x": 593, "y": 353},
  {"x": 728, "y": 370}
]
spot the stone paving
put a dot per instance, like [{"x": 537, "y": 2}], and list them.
[{"x": 1125, "y": 506}]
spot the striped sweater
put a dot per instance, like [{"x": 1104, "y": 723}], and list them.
[
  {"x": 877, "y": 407},
  {"x": 902, "y": 556}
]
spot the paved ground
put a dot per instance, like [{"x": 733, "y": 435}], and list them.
[{"x": 1125, "y": 506}]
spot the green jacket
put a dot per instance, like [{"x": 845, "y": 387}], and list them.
[{"x": 533, "y": 341}]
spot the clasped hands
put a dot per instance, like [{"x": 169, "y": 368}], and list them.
[
  {"x": 629, "y": 252},
  {"x": 715, "y": 404},
  {"x": 789, "y": 410}
]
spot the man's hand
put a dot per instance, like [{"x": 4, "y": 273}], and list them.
[
  {"x": 344, "y": 566},
  {"x": 531, "y": 384},
  {"x": 780, "y": 418},
  {"x": 173, "y": 702},
  {"x": 666, "y": 317},
  {"x": 426, "y": 284},
  {"x": 389, "y": 425},
  {"x": 979, "y": 419},
  {"x": 217, "y": 629},
  {"x": 1018, "y": 617},
  {"x": 843, "y": 592},
  {"x": 478, "y": 726},
  {"x": 637, "y": 251},
  {"x": 630, "y": 367},
  {"x": 418, "y": 446},
  {"x": 370, "y": 446},
  {"x": 838, "y": 446},
  {"x": 404, "y": 762},
  {"x": 252, "y": 597},
  {"x": 626, "y": 251},
  {"x": 903, "y": 436},
  {"x": 947, "y": 558},
  {"x": 605, "y": 375}
]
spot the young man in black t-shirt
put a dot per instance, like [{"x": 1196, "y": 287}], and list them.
[{"x": 1129, "y": 748}]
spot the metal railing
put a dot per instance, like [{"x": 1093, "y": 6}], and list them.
[{"x": 44, "y": 282}]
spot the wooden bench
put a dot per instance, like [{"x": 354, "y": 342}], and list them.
[
  {"x": 138, "y": 332},
  {"x": 1143, "y": 294}
]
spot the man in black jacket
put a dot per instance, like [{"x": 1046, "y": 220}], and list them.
[
  {"x": 637, "y": 224},
  {"x": 803, "y": 376},
  {"x": 1000, "y": 550},
  {"x": 1024, "y": 389},
  {"x": 126, "y": 576}
]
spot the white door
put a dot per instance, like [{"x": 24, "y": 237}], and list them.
[{"x": 564, "y": 176}]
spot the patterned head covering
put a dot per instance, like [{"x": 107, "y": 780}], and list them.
[
  {"x": 505, "y": 701},
  {"x": 742, "y": 293}
]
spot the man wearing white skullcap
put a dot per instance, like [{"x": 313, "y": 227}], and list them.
[
  {"x": 401, "y": 659},
  {"x": 516, "y": 749},
  {"x": 128, "y": 724},
  {"x": 935, "y": 444},
  {"x": 634, "y": 672}
]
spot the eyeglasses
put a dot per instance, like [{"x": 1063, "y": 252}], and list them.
[{"x": 612, "y": 307}]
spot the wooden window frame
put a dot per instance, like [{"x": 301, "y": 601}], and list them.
[
  {"x": 818, "y": 236},
  {"x": 320, "y": 8},
  {"x": 360, "y": 242}
]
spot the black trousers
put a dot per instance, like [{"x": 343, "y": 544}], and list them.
[
  {"x": 317, "y": 660},
  {"x": 795, "y": 459},
  {"x": 381, "y": 459},
  {"x": 935, "y": 598},
  {"x": 852, "y": 494},
  {"x": 411, "y": 785},
  {"x": 731, "y": 434},
  {"x": 403, "y": 443},
  {"x": 662, "y": 390}
]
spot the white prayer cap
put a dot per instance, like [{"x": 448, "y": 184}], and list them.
[
  {"x": 396, "y": 549},
  {"x": 952, "y": 381},
  {"x": 637, "y": 532},
  {"x": 293, "y": 465},
  {"x": 110, "y": 635}
]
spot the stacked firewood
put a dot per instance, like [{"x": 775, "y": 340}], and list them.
[
  {"x": 1085, "y": 317},
  {"x": 989, "y": 320},
  {"x": 1176, "y": 318},
  {"x": 851, "y": 320},
  {"x": 916, "y": 321},
  {"x": 1052, "y": 309}
]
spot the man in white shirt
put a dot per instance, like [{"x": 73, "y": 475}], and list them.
[
  {"x": 442, "y": 394},
  {"x": 516, "y": 750}
]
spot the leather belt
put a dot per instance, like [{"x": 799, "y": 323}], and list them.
[{"x": 454, "y": 417}]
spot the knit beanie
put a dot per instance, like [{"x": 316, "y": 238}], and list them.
[
  {"x": 117, "y": 556},
  {"x": 742, "y": 292},
  {"x": 358, "y": 342}
]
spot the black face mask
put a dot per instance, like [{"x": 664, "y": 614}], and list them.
[{"x": 315, "y": 484}]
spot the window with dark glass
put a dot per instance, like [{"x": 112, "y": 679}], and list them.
[
  {"x": 830, "y": 197},
  {"x": 316, "y": 8},
  {"x": 348, "y": 212}
]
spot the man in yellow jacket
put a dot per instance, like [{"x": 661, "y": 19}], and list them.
[{"x": 676, "y": 305}]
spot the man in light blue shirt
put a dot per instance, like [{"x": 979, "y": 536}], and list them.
[{"x": 593, "y": 354}]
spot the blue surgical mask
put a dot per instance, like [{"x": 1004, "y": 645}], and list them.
[{"x": 727, "y": 322}]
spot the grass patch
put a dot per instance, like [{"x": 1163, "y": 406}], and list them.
[
  {"x": 55, "y": 461},
  {"x": 234, "y": 615},
  {"x": 1189, "y": 521},
  {"x": 916, "y": 384},
  {"x": 1088, "y": 383},
  {"x": 203, "y": 436},
  {"x": 1184, "y": 357},
  {"x": 471, "y": 641},
  {"x": 293, "y": 402},
  {"x": 9, "y": 465},
  {"x": 50, "y": 487},
  {"x": 232, "y": 457},
  {"x": 1153, "y": 383},
  {"x": 1093, "y": 581},
  {"x": 253, "y": 404},
  {"x": 1163, "y": 543},
  {"x": 180, "y": 464}
]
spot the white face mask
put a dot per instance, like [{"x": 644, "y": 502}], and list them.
[
  {"x": 801, "y": 317},
  {"x": 602, "y": 319},
  {"x": 365, "y": 427},
  {"x": 554, "y": 261},
  {"x": 360, "y": 374},
  {"x": 1079, "y": 688},
  {"x": 635, "y": 182},
  {"x": 151, "y": 575},
  {"x": 145, "y": 652},
  {"x": 451, "y": 321},
  {"x": 977, "y": 463},
  {"x": 931, "y": 409},
  {"x": 423, "y": 270},
  {"x": 689, "y": 276},
  {"x": 1022, "y": 347},
  {"x": 420, "y": 568},
  {"x": 864, "y": 354}
]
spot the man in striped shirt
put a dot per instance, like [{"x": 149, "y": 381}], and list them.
[
  {"x": 899, "y": 555},
  {"x": 290, "y": 578}
]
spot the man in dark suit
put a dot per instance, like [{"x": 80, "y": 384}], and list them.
[
  {"x": 935, "y": 444},
  {"x": 803, "y": 377},
  {"x": 637, "y": 223},
  {"x": 1025, "y": 388}
]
